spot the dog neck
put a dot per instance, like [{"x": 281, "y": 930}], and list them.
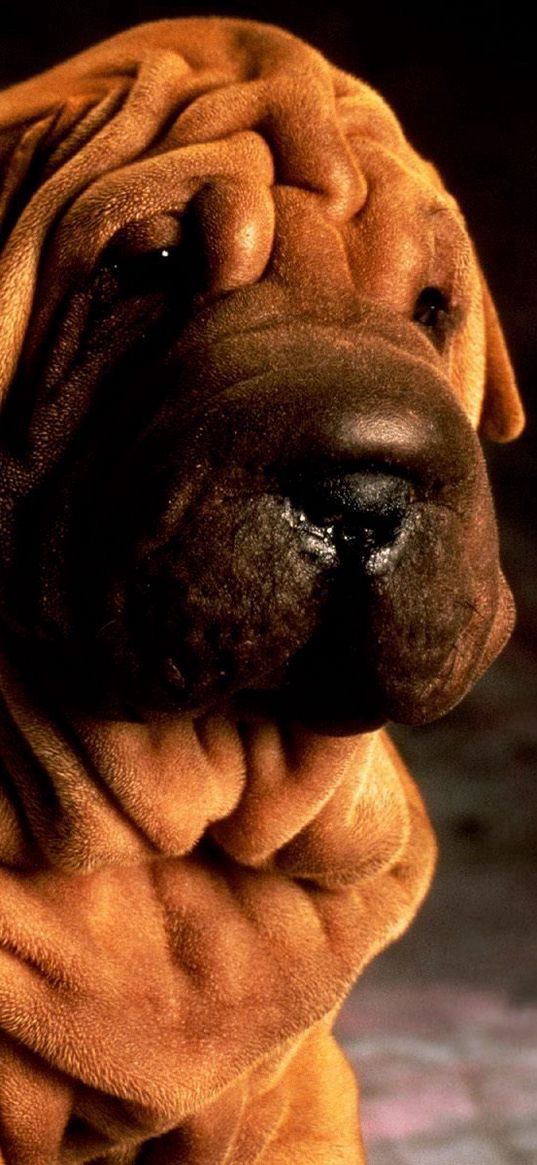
[
  {"x": 182, "y": 901},
  {"x": 80, "y": 794}
]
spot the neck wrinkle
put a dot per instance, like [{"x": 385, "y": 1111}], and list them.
[{"x": 82, "y": 794}]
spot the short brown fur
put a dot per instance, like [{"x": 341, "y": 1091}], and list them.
[{"x": 188, "y": 895}]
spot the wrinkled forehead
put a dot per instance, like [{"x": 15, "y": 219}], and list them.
[
  {"x": 141, "y": 124},
  {"x": 161, "y": 90},
  {"x": 177, "y": 83}
]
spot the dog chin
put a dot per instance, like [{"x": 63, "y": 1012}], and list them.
[
  {"x": 369, "y": 651},
  {"x": 346, "y": 695},
  {"x": 329, "y": 693},
  {"x": 342, "y": 716}
]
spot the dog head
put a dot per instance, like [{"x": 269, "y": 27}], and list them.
[{"x": 246, "y": 351}]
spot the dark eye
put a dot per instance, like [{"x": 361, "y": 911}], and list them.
[
  {"x": 432, "y": 309},
  {"x": 139, "y": 274}
]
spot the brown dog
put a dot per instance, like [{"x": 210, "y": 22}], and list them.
[{"x": 245, "y": 347}]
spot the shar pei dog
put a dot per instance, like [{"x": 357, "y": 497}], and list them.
[{"x": 245, "y": 352}]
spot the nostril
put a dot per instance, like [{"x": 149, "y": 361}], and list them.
[{"x": 365, "y": 511}]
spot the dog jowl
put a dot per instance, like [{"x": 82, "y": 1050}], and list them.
[{"x": 247, "y": 351}]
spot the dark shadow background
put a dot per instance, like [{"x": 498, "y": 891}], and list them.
[{"x": 462, "y": 80}]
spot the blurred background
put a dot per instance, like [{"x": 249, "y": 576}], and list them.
[{"x": 443, "y": 1028}]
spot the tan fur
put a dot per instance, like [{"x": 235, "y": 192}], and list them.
[{"x": 185, "y": 906}]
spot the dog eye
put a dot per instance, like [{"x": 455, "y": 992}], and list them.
[
  {"x": 144, "y": 272},
  {"x": 431, "y": 309}
]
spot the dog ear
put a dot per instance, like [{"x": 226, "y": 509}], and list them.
[{"x": 502, "y": 416}]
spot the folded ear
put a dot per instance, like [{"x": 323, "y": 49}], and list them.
[{"x": 502, "y": 415}]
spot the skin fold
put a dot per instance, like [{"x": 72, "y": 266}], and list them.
[{"x": 246, "y": 356}]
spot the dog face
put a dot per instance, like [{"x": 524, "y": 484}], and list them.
[{"x": 247, "y": 347}]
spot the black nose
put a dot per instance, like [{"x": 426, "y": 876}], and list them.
[{"x": 365, "y": 512}]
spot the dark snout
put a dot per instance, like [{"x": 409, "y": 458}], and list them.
[
  {"x": 334, "y": 552},
  {"x": 304, "y": 526}
]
